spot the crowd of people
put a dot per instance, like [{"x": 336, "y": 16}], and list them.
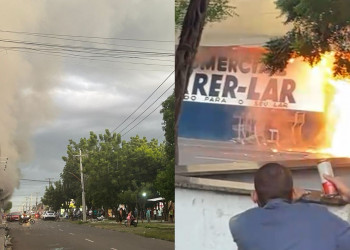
[{"x": 123, "y": 213}]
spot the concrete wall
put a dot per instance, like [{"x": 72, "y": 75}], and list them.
[{"x": 202, "y": 218}]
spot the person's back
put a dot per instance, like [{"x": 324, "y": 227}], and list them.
[{"x": 281, "y": 225}]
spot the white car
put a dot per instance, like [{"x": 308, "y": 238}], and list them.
[{"x": 47, "y": 215}]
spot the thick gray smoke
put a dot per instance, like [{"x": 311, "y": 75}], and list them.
[{"x": 25, "y": 83}]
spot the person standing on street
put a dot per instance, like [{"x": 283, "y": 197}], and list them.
[
  {"x": 148, "y": 215},
  {"x": 171, "y": 212}
]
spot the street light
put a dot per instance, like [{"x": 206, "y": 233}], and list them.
[{"x": 144, "y": 194}]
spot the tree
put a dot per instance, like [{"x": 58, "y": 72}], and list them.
[
  {"x": 71, "y": 175},
  {"x": 168, "y": 112},
  {"x": 218, "y": 10},
  {"x": 115, "y": 172},
  {"x": 165, "y": 178},
  {"x": 318, "y": 26},
  {"x": 54, "y": 196},
  {"x": 190, "y": 36},
  {"x": 165, "y": 182}
]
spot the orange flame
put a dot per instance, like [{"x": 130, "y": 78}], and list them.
[{"x": 337, "y": 108}]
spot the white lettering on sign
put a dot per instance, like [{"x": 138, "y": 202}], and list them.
[{"x": 238, "y": 78}]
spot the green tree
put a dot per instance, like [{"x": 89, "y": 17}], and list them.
[
  {"x": 165, "y": 182},
  {"x": 115, "y": 172},
  {"x": 71, "y": 175},
  {"x": 54, "y": 196},
  {"x": 218, "y": 10},
  {"x": 318, "y": 26},
  {"x": 168, "y": 112},
  {"x": 165, "y": 178}
]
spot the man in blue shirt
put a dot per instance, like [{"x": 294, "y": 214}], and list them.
[{"x": 280, "y": 224}]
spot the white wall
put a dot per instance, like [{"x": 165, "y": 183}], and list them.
[{"x": 202, "y": 218}]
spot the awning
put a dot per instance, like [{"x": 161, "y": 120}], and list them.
[{"x": 156, "y": 199}]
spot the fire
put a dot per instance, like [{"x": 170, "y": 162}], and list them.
[
  {"x": 338, "y": 118},
  {"x": 337, "y": 108}
]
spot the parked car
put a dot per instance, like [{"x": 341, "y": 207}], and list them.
[
  {"x": 48, "y": 215},
  {"x": 14, "y": 216}
]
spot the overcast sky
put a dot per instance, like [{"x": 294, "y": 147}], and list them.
[{"x": 48, "y": 99}]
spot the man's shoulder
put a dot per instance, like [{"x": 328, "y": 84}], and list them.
[
  {"x": 312, "y": 207},
  {"x": 254, "y": 213},
  {"x": 242, "y": 217}
]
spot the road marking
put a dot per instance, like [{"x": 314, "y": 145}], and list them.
[
  {"x": 71, "y": 233},
  {"x": 89, "y": 240},
  {"x": 113, "y": 248},
  {"x": 60, "y": 230}
]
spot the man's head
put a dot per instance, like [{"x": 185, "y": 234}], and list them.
[{"x": 273, "y": 181}]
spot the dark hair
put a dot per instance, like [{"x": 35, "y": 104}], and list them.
[{"x": 272, "y": 181}]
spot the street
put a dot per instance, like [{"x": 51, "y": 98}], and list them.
[{"x": 65, "y": 235}]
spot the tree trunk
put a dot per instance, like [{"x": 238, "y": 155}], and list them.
[{"x": 190, "y": 37}]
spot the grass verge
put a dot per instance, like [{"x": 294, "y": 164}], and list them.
[{"x": 157, "y": 230}]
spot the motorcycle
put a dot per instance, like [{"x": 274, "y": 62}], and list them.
[{"x": 26, "y": 219}]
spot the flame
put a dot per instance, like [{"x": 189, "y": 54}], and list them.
[
  {"x": 337, "y": 108},
  {"x": 338, "y": 118}
]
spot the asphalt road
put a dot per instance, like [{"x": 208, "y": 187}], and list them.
[{"x": 64, "y": 235}]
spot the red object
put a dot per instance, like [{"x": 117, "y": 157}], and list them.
[
  {"x": 13, "y": 216},
  {"x": 329, "y": 188}
]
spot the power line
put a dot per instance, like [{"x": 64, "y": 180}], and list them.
[
  {"x": 93, "y": 54},
  {"x": 93, "y": 42},
  {"x": 91, "y": 37},
  {"x": 89, "y": 53},
  {"x": 147, "y": 108},
  {"x": 143, "y": 102},
  {"x": 57, "y": 54},
  {"x": 142, "y": 119},
  {"x": 34, "y": 180},
  {"x": 84, "y": 48}
]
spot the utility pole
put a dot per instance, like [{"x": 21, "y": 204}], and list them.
[
  {"x": 49, "y": 181},
  {"x": 82, "y": 185},
  {"x": 36, "y": 201}
]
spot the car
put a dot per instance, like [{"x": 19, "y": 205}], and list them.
[
  {"x": 49, "y": 215},
  {"x": 14, "y": 216}
]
